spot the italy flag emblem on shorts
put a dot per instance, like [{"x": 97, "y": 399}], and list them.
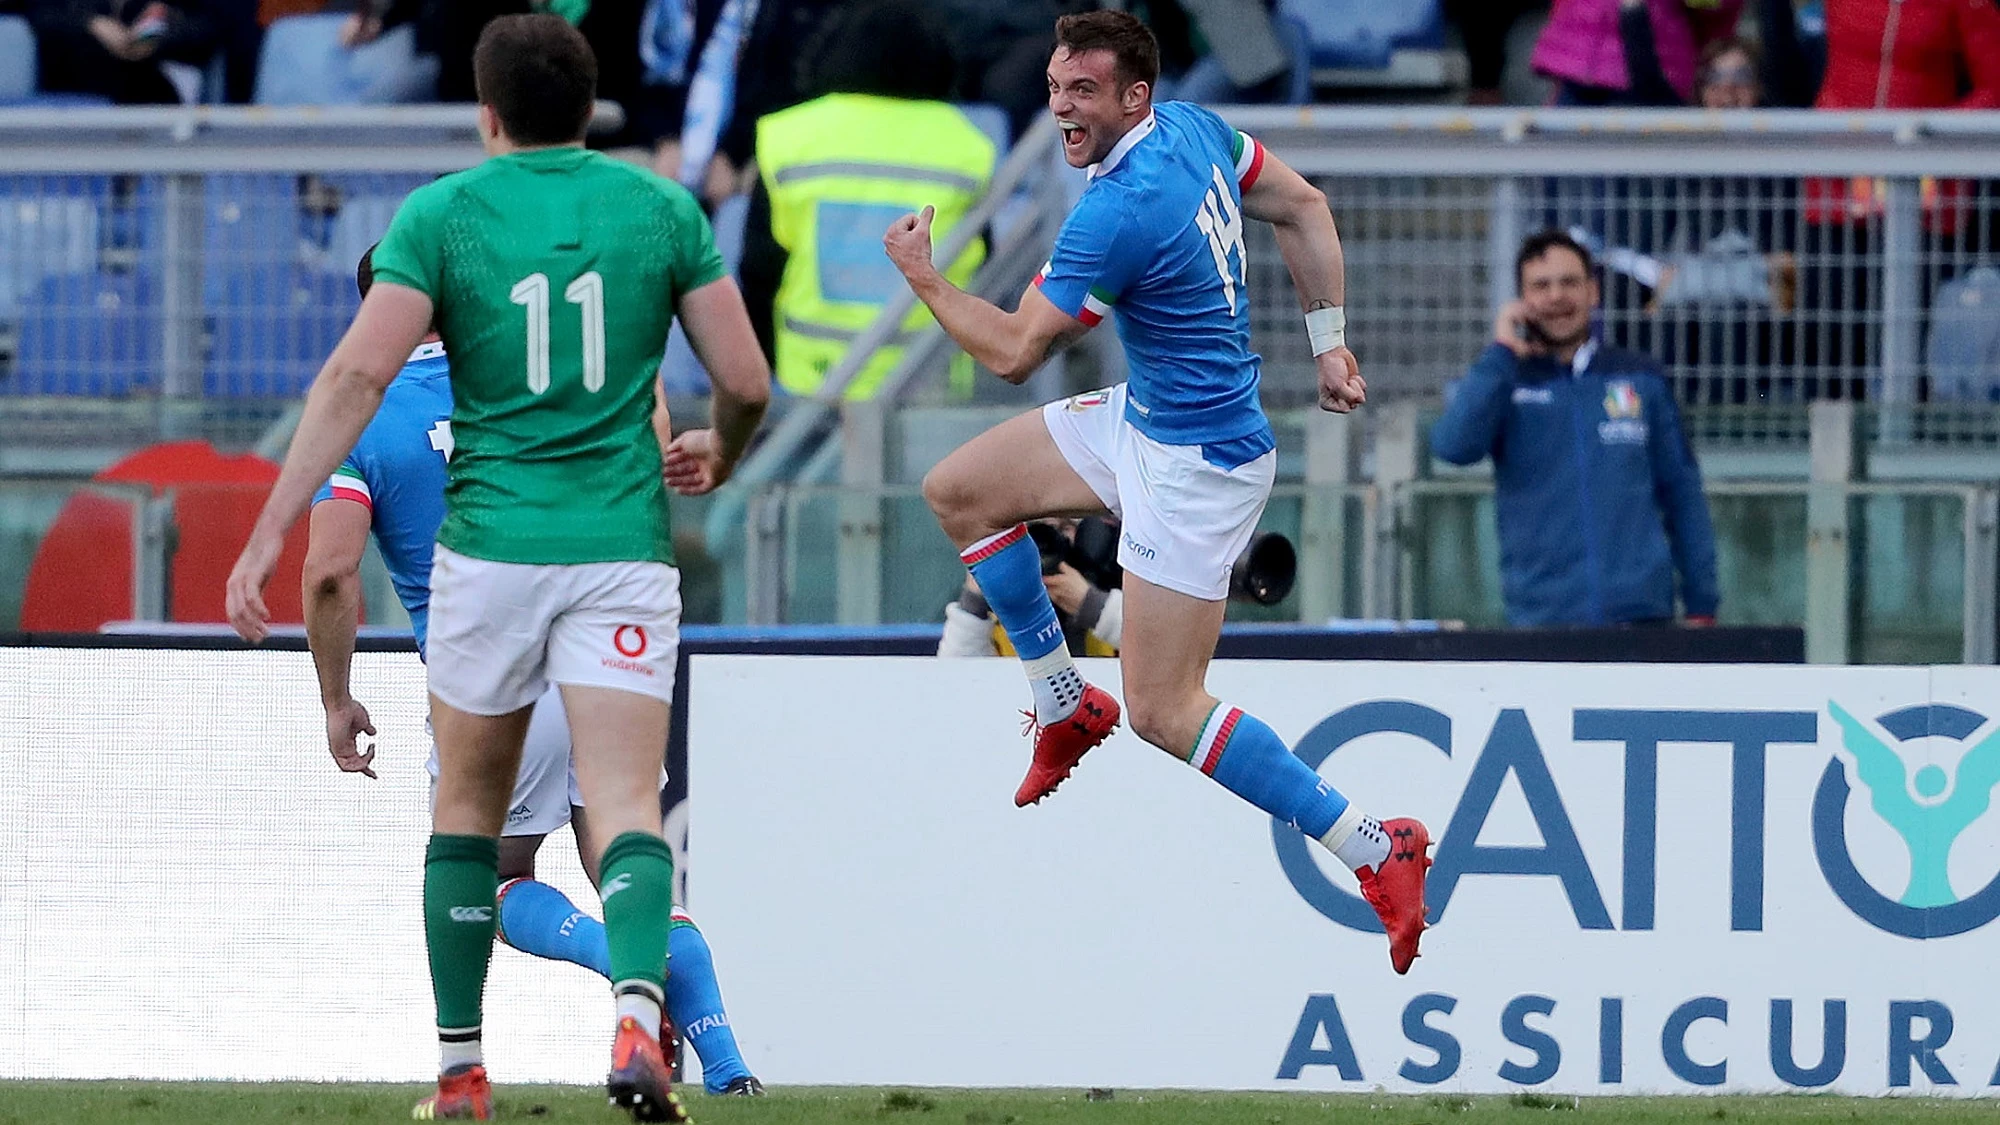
[{"x": 1083, "y": 402}]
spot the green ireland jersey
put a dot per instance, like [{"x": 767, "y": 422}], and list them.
[{"x": 554, "y": 274}]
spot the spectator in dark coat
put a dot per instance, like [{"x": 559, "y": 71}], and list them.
[
  {"x": 1598, "y": 496},
  {"x": 114, "y": 47}
]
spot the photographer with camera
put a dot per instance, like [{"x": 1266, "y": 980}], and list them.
[
  {"x": 1081, "y": 573},
  {"x": 1598, "y": 496},
  {"x": 1080, "y": 570}
]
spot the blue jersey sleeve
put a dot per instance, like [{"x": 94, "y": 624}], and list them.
[{"x": 1095, "y": 259}]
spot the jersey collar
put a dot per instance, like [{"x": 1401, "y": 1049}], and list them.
[
  {"x": 1125, "y": 143},
  {"x": 432, "y": 350},
  {"x": 1584, "y": 355}
]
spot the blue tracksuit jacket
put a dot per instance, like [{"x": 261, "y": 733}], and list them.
[{"x": 1598, "y": 496}]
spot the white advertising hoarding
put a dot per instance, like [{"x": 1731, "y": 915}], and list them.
[
  {"x": 184, "y": 871},
  {"x": 1648, "y": 879}
]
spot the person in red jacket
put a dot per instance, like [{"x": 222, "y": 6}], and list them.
[
  {"x": 1886, "y": 54},
  {"x": 1912, "y": 54}
]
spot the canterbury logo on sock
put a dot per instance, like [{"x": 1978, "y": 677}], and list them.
[
  {"x": 613, "y": 885},
  {"x": 471, "y": 914}
]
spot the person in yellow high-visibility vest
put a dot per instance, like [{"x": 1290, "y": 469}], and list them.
[{"x": 879, "y": 142}]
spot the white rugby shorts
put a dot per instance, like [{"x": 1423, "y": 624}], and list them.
[
  {"x": 501, "y": 633},
  {"x": 545, "y": 789},
  {"x": 1184, "y": 521}
]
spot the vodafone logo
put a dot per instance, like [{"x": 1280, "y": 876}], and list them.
[{"x": 630, "y": 641}]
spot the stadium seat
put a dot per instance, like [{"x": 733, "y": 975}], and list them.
[
  {"x": 43, "y": 235},
  {"x": 303, "y": 63},
  {"x": 17, "y": 60},
  {"x": 89, "y": 334},
  {"x": 1365, "y": 33},
  {"x": 271, "y": 326}
]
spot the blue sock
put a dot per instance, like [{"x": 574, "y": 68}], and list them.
[
  {"x": 1250, "y": 760},
  {"x": 539, "y": 919},
  {"x": 694, "y": 1001},
  {"x": 1008, "y": 568}
]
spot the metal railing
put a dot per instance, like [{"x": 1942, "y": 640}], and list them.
[{"x": 1764, "y": 256}]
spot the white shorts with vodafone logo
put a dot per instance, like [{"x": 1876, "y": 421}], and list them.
[
  {"x": 501, "y": 633},
  {"x": 1184, "y": 521}
]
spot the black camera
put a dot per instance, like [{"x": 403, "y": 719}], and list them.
[{"x": 1264, "y": 573}]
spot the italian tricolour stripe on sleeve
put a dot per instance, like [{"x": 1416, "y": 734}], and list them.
[
  {"x": 1095, "y": 304},
  {"x": 1249, "y": 161},
  {"x": 346, "y": 487}
]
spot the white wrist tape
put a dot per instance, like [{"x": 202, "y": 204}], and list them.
[{"x": 1327, "y": 329}]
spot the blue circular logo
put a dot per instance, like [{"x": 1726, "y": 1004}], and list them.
[{"x": 1928, "y": 908}]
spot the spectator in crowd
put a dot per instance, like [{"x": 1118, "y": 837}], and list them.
[
  {"x": 1583, "y": 51},
  {"x": 1794, "y": 51},
  {"x": 1598, "y": 496},
  {"x": 114, "y": 48},
  {"x": 1233, "y": 49},
  {"x": 1885, "y": 54},
  {"x": 1911, "y": 54},
  {"x": 1727, "y": 76},
  {"x": 1090, "y": 608},
  {"x": 880, "y": 141},
  {"x": 772, "y": 77},
  {"x": 1003, "y": 51},
  {"x": 1484, "y": 26},
  {"x": 689, "y": 55}
]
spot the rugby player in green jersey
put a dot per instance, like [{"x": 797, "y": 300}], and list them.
[{"x": 553, "y": 275}]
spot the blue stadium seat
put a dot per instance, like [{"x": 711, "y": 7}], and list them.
[
  {"x": 271, "y": 327},
  {"x": 303, "y": 63},
  {"x": 89, "y": 334},
  {"x": 1365, "y": 33},
  {"x": 43, "y": 234},
  {"x": 17, "y": 60}
]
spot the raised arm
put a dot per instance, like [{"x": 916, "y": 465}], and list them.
[
  {"x": 1010, "y": 344},
  {"x": 1309, "y": 242},
  {"x": 331, "y": 594}
]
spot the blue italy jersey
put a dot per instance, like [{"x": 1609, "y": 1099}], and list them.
[
  {"x": 397, "y": 472},
  {"x": 1158, "y": 238}
]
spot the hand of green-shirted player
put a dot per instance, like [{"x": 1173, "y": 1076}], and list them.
[{"x": 719, "y": 329}]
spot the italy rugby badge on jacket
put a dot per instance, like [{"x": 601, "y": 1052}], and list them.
[{"x": 1623, "y": 424}]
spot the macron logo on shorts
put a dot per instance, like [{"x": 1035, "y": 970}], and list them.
[
  {"x": 630, "y": 641},
  {"x": 1139, "y": 549}
]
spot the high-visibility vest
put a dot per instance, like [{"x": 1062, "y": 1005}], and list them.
[{"x": 840, "y": 170}]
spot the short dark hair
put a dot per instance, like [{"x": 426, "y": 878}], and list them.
[
  {"x": 364, "y": 271},
  {"x": 889, "y": 48},
  {"x": 1541, "y": 243},
  {"x": 1130, "y": 42},
  {"x": 539, "y": 75}
]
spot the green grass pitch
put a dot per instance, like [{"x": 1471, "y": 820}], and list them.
[{"x": 223, "y": 1103}]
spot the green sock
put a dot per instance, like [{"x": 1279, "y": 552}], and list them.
[
  {"x": 461, "y": 874},
  {"x": 638, "y": 893}
]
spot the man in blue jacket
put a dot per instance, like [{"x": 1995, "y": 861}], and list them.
[{"x": 1598, "y": 496}]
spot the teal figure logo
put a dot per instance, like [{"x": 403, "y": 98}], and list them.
[{"x": 1929, "y": 809}]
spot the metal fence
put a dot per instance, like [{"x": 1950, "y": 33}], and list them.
[{"x": 1769, "y": 257}]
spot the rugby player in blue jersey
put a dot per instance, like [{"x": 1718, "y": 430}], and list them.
[
  {"x": 393, "y": 485},
  {"x": 1181, "y": 453}
]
